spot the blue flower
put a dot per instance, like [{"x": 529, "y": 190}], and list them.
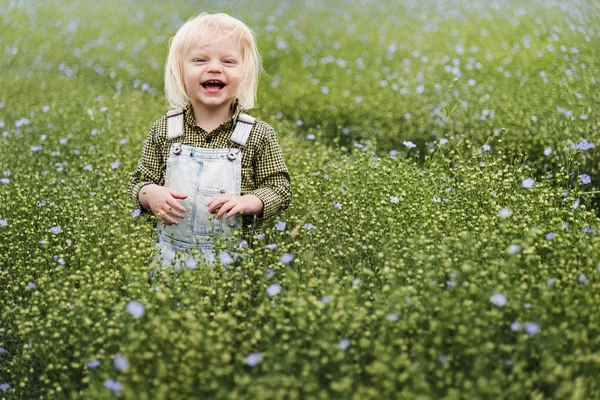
[
  {"x": 326, "y": 299},
  {"x": 337, "y": 204},
  {"x": 311, "y": 136},
  {"x": 260, "y": 236},
  {"x": 269, "y": 273},
  {"x": 392, "y": 317},
  {"x": 274, "y": 289},
  {"x": 409, "y": 144},
  {"x": 271, "y": 246},
  {"x": 357, "y": 282},
  {"x": 585, "y": 179},
  {"x": 135, "y": 308},
  {"x": 92, "y": 364},
  {"x": 3, "y": 222},
  {"x": 113, "y": 386},
  {"x": 253, "y": 359},
  {"x": 532, "y": 328},
  {"x": 344, "y": 344},
  {"x": 4, "y": 386},
  {"x": 515, "y": 326},
  {"x": 286, "y": 258},
  {"x": 55, "y": 229},
  {"x": 225, "y": 258},
  {"x": 280, "y": 226},
  {"x": 360, "y": 146},
  {"x": 582, "y": 279},
  {"x": 547, "y": 151},
  {"x": 513, "y": 249},
  {"x": 504, "y": 212},
  {"x": 393, "y": 153},
  {"x": 585, "y": 145},
  {"x": 115, "y": 165},
  {"x": 308, "y": 226},
  {"x": 443, "y": 141},
  {"x": 5, "y": 181},
  {"x": 136, "y": 213},
  {"x": 394, "y": 199},
  {"x": 550, "y": 282},
  {"x": 498, "y": 299},
  {"x": 576, "y": 204},
  {"x": 121, "y": 362},
  {"x": 30, "y": 285},
  {"x": 550, "y": 236},
  {"x": 528, "y": 183},
  {"x": 3, "y": 350}
]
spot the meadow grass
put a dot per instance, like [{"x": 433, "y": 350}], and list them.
[{"x": 442, "y": 241}]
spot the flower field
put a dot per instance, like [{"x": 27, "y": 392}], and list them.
[{"x": 442, "y": 241}]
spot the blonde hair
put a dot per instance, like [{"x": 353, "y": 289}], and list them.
[{"x": 204, "y": 30}]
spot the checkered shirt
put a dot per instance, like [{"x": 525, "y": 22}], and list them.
[{"x": 264, "y": 172}]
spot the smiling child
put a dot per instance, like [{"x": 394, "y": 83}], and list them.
[{"x": 206, "y": 162}]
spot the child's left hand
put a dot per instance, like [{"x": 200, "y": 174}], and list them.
[{"x": 233, "y": 204}]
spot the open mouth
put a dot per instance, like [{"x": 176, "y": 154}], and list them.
[{"x": 213, "y": 86}]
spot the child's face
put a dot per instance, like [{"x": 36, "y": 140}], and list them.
[{"x": 212, "y": 74}]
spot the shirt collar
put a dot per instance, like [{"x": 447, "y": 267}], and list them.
[{"x": 235, "y": 108}]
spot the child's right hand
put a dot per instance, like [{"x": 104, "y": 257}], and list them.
[{"x": 162, "y": 202}]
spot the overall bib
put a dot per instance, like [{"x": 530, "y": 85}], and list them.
[{"x": 201, "y": 174}]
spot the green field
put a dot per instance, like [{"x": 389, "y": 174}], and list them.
[{"x": 442, "y": 240}]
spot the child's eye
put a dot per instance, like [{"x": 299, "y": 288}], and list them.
[
  {"x": 229, "y": 61},
  {"x": 198, "y": 60}
]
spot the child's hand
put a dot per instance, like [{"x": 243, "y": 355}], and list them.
[
  {"x": 162, "y": 201},
  {"x": 233, "y": 204}
]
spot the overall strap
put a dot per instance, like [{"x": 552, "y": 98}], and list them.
[
  {"x": 242, "y": 129},
  {"x": 175, "y": 123},
  {"x": 239, "y": 136}
]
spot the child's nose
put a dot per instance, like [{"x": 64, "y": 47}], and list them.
[{"x": 214, "y": 66}]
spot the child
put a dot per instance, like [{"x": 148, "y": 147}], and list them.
[{"x": 205, "y": 162}]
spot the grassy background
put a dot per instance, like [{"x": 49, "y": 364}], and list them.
[{"x": 390, "y": 293}]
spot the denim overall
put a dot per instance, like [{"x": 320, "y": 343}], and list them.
[{"x": 201, "y": 174}]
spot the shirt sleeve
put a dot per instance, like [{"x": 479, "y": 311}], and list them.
[
  {"x": 150, "y": 167},
  {"x": 272, "y": 177}
]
